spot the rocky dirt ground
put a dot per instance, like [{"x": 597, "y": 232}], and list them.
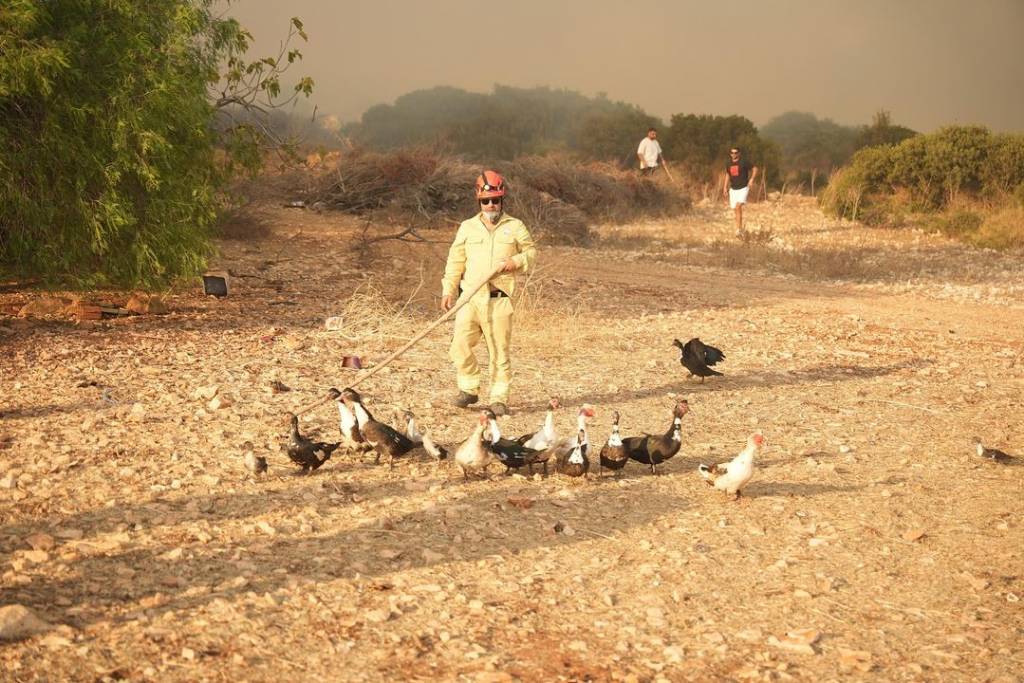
[{"x": 872, "y": 544}]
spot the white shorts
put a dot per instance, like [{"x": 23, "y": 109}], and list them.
[{"x": 738, "y": 196}]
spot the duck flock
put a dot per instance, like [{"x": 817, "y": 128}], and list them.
[{"x": 570, "y": 456}]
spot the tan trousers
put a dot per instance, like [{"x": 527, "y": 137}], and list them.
[{"x": 491, "y": 319}]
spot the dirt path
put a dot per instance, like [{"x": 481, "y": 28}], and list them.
[{"x": 871, "y": 543}]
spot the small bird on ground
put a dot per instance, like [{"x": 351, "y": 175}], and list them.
[
  {"x": 993, "y": 454},
  {"x": 562, "y": 449},
  {"x": 256, "y": 464},
  {"x": 732, "y": 476},
  {"x": 698, "y": 357},
  {"x": 306, "y": 453},
  {"x": 351, "y": 438},
  {"x": 411, "y": 430}
]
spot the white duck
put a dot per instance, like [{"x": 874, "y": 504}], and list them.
[
  {"x": 546, "y": 436},
  {"x": 732, "y": 476}
]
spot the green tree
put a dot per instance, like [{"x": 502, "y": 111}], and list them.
[
  {"x": 504, "y": 124},
  {"x": 930, "y": 170},
  {"x": 701, "y": 144},
  {"x": 614, "y": 135},
  {"x": 108, "y": 163},
  {"x": 883, "y": 131},
  {"x": 810, "y": 144}
]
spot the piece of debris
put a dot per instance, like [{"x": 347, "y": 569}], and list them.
[
  {"x": 218, "y": 402},
  {"x": 215, "y": 283},
  {"x": 83, "y": 310},
  {"x": 800, "y": 641},
  {"x": 521, "y": 503},
  {"x": 277, "y": 387},
  {"x": 333, "y": 324},
  {"x": 352, "y": 362}
]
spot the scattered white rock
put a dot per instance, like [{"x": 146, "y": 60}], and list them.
[
  {"x": 18, "y": 622},
  {"x": 205, "y": 393}
]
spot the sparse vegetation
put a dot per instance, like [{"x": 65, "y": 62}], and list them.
[{"x": 935, "y": 175}]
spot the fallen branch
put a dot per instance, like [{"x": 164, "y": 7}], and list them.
[{"x": 904, "y": 405}]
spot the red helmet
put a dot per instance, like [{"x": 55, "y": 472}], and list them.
[{"x": 490, "y": 184}]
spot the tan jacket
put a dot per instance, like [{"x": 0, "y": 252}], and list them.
[{"x": 476, "y": 252}]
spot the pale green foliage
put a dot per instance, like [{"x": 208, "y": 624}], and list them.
[{"x": 930, "y": 171}]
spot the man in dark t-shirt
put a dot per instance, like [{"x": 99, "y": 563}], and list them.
[{"x": 739, "y": 176}]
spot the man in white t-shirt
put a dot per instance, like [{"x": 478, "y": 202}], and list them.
[{"x": 649, "y": 152}]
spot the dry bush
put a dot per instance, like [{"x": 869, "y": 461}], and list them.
[
  {"x": 549, "y": 218},
  {"x": 556, "y": 197},
  {"x": 957, "y": 224},
  {"x": 600, "y": 190},
  {"x": 544, "y": 313},
  {"x": 756, "y": 236},
  {"x": 368, "y": 313},
  {"x": 1001, "y": 230}
]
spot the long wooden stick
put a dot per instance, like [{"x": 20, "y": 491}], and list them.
[
  {"x": 467, "y": 294},
  {"x": 664, "y": 164}
]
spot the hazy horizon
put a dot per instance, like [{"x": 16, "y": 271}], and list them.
[{"x": 929, "y": 62}]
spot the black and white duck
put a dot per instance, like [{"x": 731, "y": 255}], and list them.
[
  {"x": 384, "y": 439},
  {"x": 613, "y": 455},
  {"x": 509, "y": 452},
  {"x": 305, "y": 452}
]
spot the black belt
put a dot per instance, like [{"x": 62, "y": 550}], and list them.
[{"x": 497, "y": 294}]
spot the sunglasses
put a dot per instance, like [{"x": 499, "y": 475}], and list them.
[{"x": 491, "y": 200}]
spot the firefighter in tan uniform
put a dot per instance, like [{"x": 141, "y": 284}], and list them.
[{"x": 482, "y": 243}]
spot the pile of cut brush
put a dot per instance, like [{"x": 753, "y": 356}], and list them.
[{"x": 557, "y": 198}]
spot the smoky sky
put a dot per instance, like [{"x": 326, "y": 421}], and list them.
[{"x": 929, "y": 62}]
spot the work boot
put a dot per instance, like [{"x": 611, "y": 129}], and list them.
[
  {"x": 499, "y": 409},
  {"x": 464, "y": 400}
]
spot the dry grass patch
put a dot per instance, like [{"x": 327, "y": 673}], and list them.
[{"x": 1001, "y": 230}]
